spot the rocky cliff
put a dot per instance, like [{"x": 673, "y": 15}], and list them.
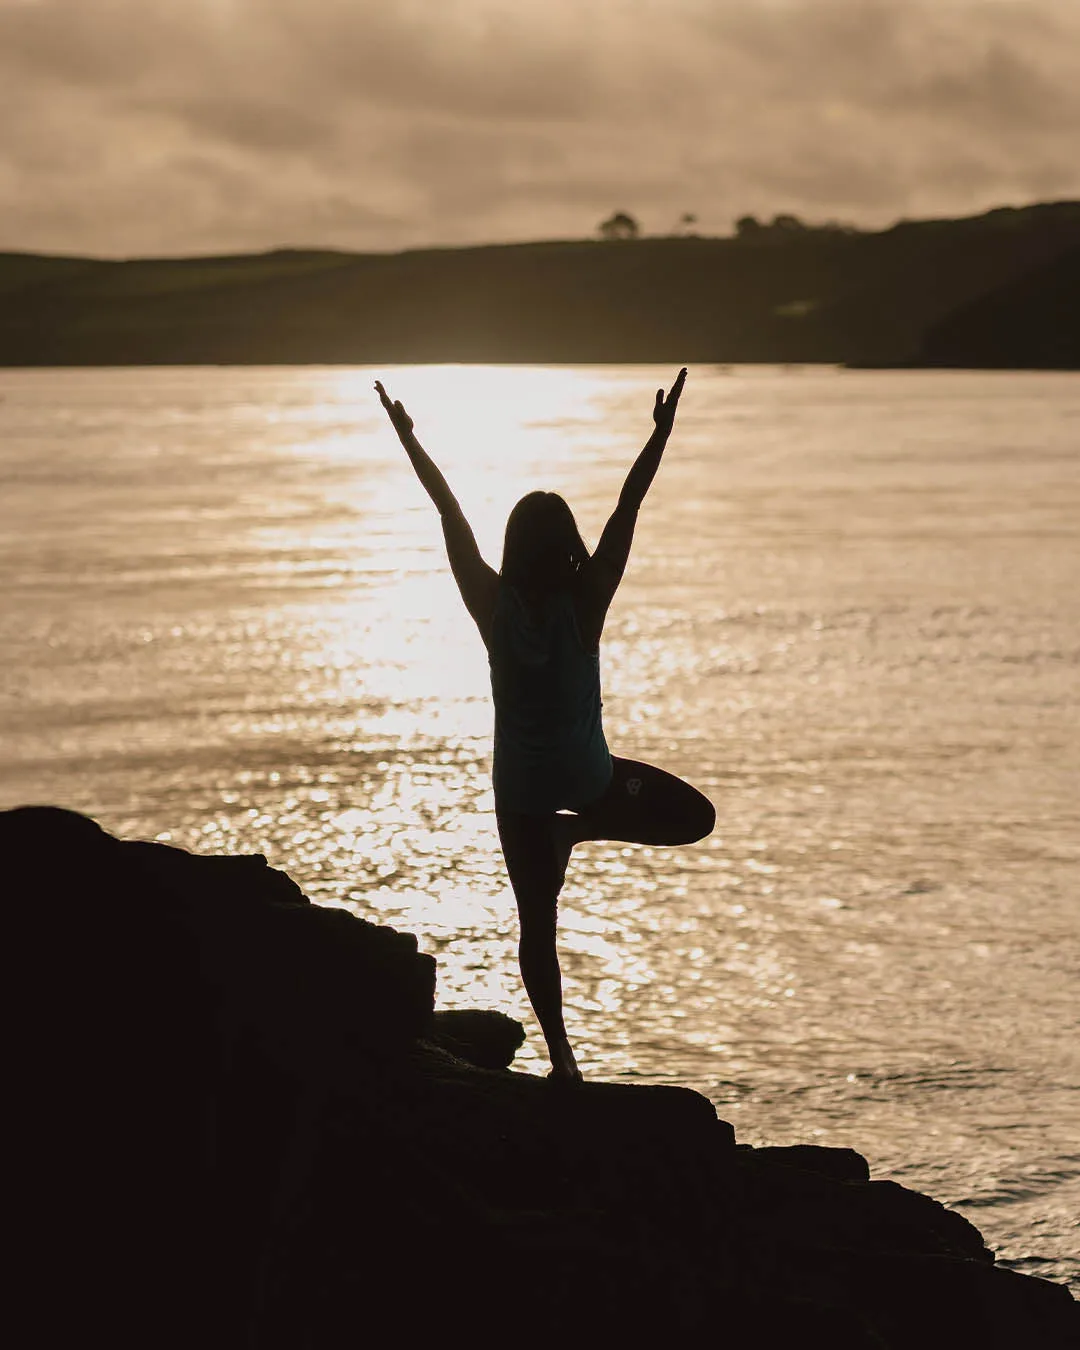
[{"x": 241, "y": 1122}]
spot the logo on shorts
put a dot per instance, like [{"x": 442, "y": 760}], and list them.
[{"x": 633, "y": 786}]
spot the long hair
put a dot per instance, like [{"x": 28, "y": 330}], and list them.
[{"x": 543, "y": 548}]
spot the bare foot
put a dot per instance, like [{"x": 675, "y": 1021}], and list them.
[
  {"x": 566, "y": 1079},
  {"x": 563, "y": 1064}
]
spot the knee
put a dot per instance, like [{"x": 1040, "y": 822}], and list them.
[
  {"x": 537, "y": 921},
  {"x": 704, "y": 818}
]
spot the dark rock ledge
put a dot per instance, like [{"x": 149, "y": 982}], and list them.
[{"x": 239, "y": 1122}]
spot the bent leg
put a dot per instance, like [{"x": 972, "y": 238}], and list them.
[
  {"x": 643, "y": 805},
  {"x": 532, "y": 867}
]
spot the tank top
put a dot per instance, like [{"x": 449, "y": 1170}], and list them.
[{"x": 550, "y": 750}]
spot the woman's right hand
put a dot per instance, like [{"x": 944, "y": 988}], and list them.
[
  {"x": 402, "y": 422},
  {"x": 664, "y": 410}
]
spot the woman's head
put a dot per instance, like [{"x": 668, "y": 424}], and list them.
[{"x": 543, "y": 548}]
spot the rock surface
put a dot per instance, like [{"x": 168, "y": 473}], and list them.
[{"x": 240, "y": 1122}]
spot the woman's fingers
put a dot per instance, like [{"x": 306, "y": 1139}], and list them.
[
  {"x": 669, "y": 404},
  {"x": 672, "y": 401},
  {"x": 395, "y": 409}
]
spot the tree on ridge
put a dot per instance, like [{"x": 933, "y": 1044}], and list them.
[{"x": 619, "y": 226}]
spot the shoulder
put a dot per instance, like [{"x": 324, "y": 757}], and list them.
[
  {"x": 596, "y": 580},
  {"x": 480, "y": 588}
]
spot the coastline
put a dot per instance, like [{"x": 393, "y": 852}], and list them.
[
  {"x": 998, "y": 291},
  {"x": 290, "y": 1143}
]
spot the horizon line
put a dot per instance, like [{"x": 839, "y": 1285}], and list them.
[{"x": 807, "y": 226}]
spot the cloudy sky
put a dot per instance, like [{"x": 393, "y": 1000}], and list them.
[{"x": 133, "y": 127}]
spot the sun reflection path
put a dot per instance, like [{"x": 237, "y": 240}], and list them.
[
  {"x": 422, "y": 852},
  {"x": 496, "y": 432}
]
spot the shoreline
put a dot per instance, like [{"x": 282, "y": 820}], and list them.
[
  {"x": 1000, "y": 291},
  {"x": 285, "y": 1133},
  {"x": 783, "y": 367}
]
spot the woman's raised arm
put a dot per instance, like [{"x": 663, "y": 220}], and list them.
[
  {"x": 609, "y": 561},
  {"x": 427, "y": 470},
  {"x": 477, "y": 582}
]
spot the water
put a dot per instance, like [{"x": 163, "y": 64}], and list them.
[{"x": 852, "y": 617}]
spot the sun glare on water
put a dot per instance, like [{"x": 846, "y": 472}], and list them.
[
  {"x": 496, "y": 432},
  {"x": 403, "y": 646}
]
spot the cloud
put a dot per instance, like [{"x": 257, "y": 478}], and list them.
[{"x": 150, "y": 126}]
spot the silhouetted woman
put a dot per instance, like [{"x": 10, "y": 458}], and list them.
[{"x": 541, "y": 618}]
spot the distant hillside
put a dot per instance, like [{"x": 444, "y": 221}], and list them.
[
  {"x": 1033, "y": 321},
  {"x": 895, "y": 297}
]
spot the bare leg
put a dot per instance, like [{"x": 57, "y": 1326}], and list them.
[
  {"x": 533, "y": 869},
  {"x": 642, "y": 805}
]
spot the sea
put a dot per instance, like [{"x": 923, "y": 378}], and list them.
[{"x": 851, "y": 617}]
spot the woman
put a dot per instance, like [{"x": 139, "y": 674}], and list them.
[{"x": 556, "y": 783}]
